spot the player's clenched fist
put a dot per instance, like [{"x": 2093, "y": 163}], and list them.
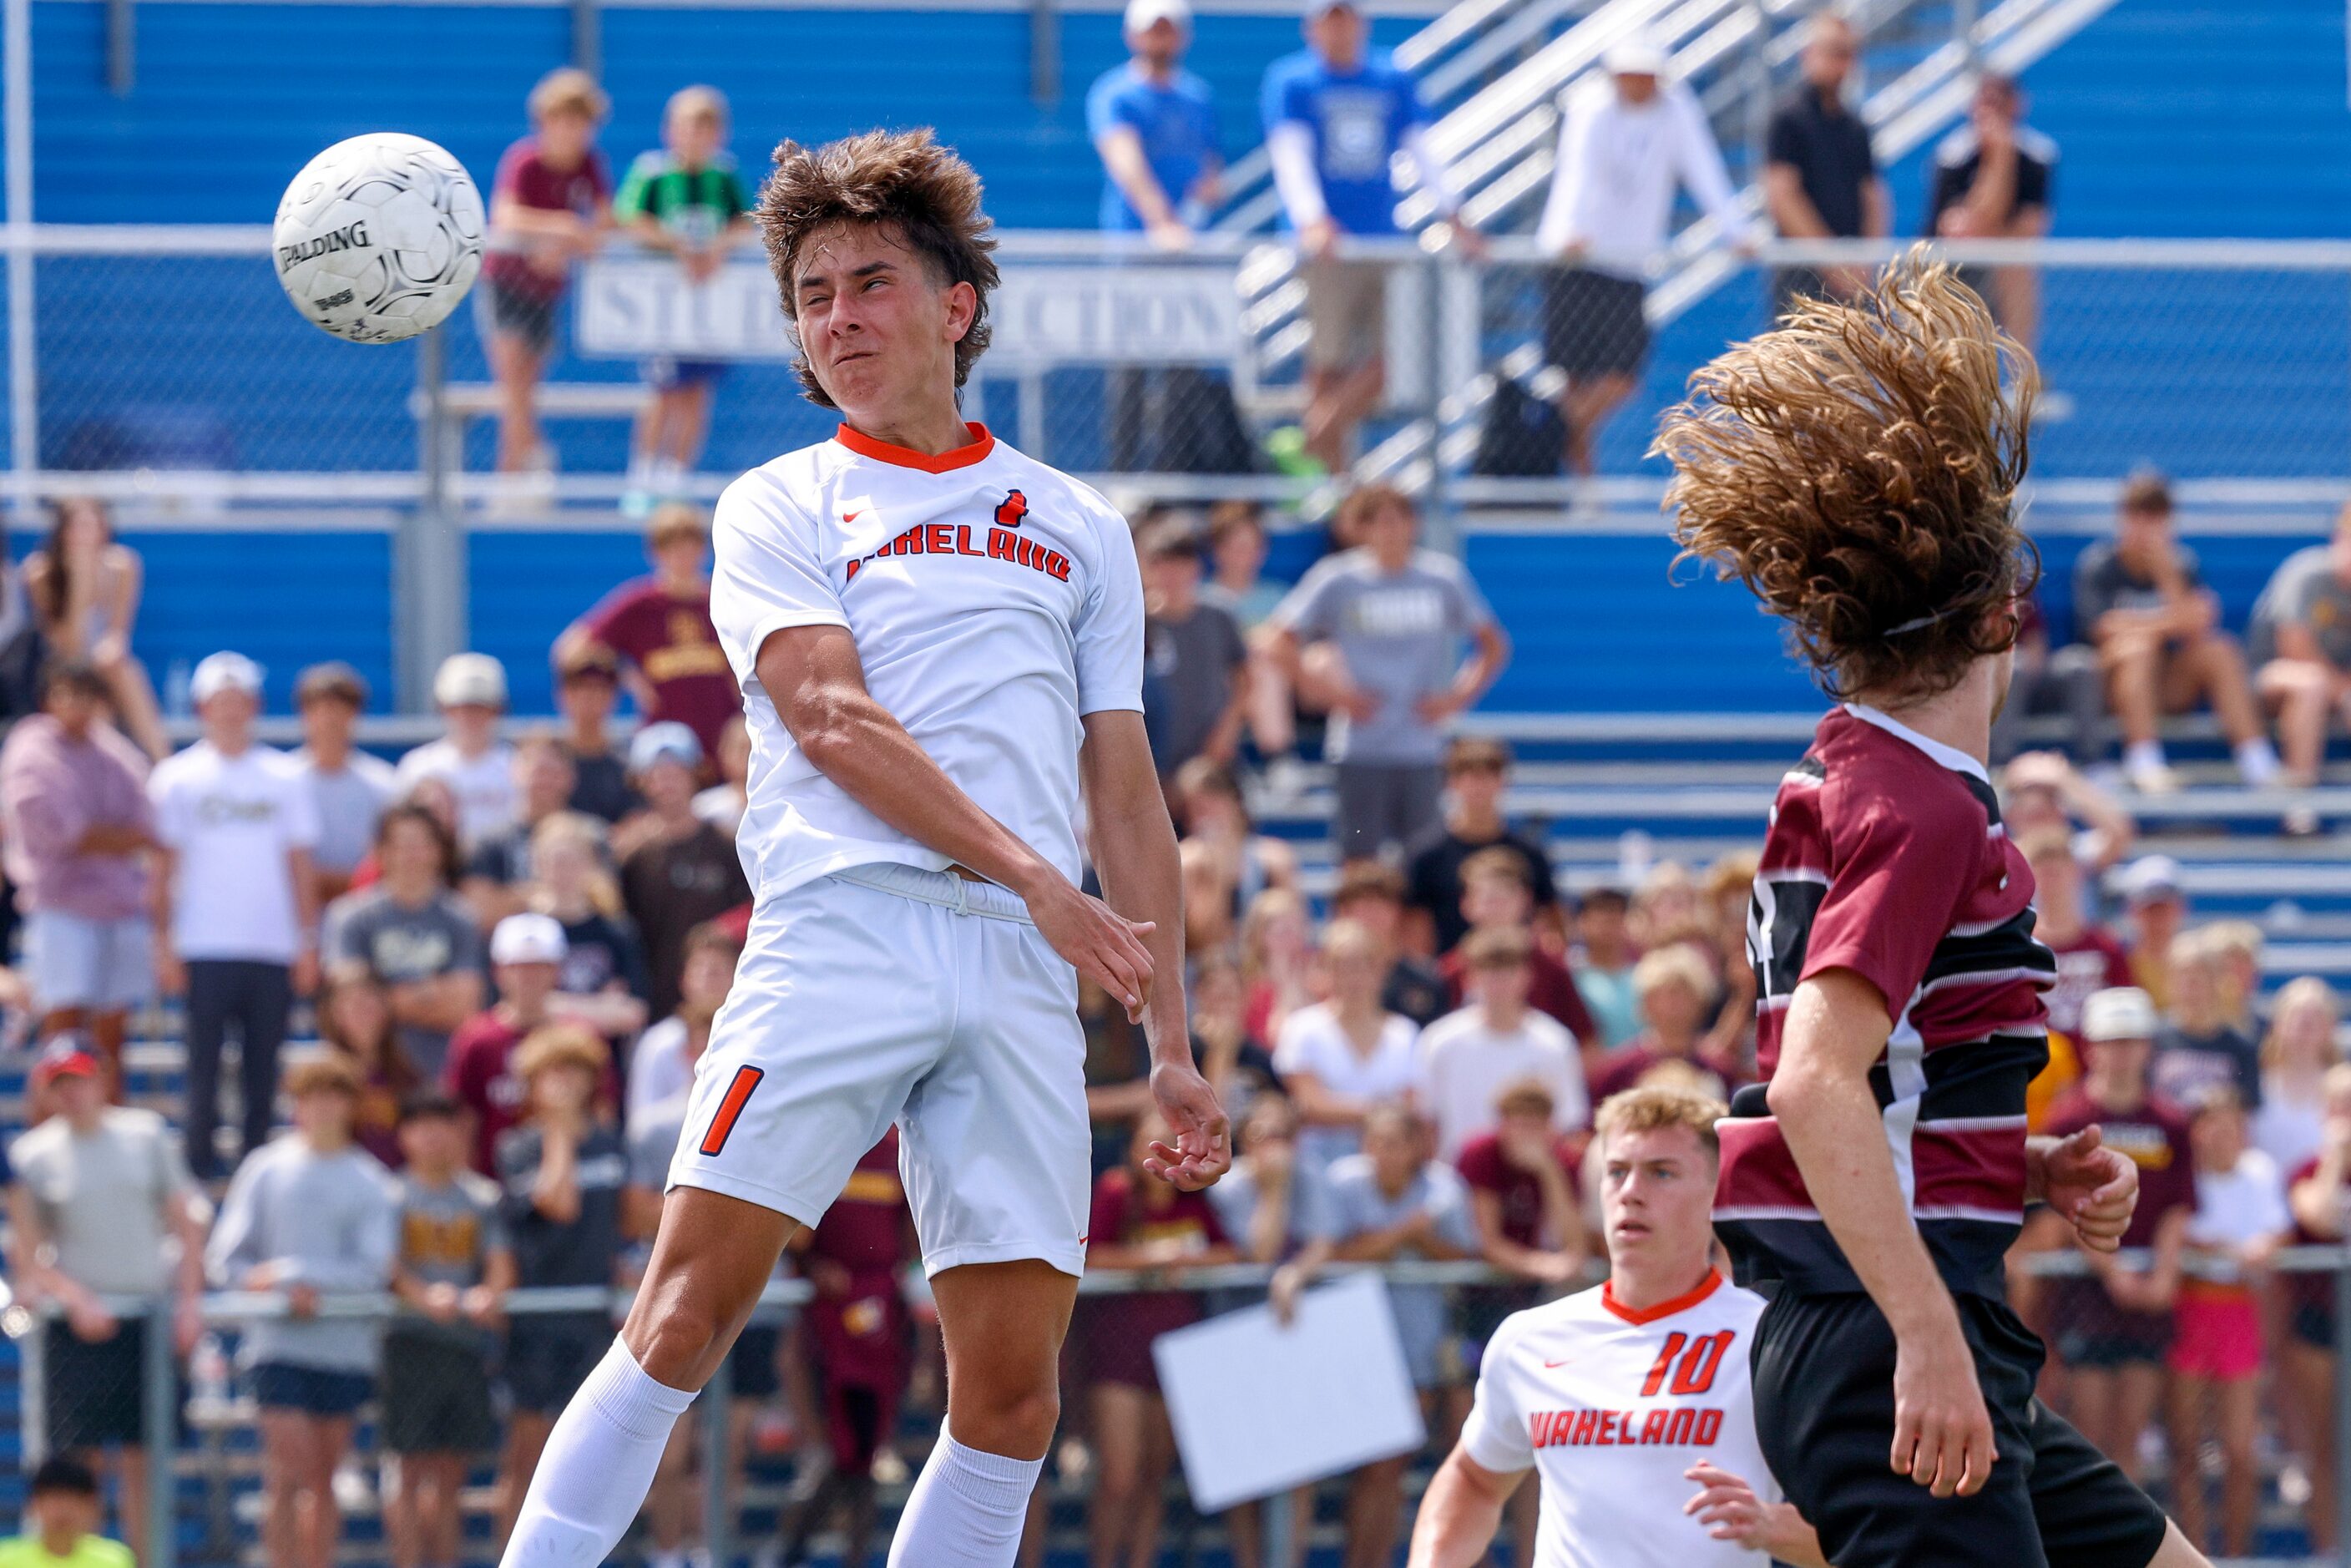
[
  {"x": 1942, "y": 1432},
  {"x": 2094, "y": 1187}
]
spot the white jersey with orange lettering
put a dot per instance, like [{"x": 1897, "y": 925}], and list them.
[{"x": 1609, "y": 1407}]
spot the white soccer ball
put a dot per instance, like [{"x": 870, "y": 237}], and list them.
[{"x": 378, "y": 238}]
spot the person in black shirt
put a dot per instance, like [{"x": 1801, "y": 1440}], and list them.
[
  {"x": 1370, "y": 894},
  {"x": 587, "y": 685},
  {"x": 1477, "y": 772},
  {"x": 1820, "y": 177},
  {"x": 1989, "y": 180},
  {"x": 680, "y": 871}
]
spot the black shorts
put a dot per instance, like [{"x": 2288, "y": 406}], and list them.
[
  {"x": 435, "y": 1394},
  {"x": 1823, "y": 1370},
  {"x": 93, "y": 1391},
  {"x": 505, "y": 311},
  {"x": 1593, "y": 324},
  {"x": 550, "y": 1354}
]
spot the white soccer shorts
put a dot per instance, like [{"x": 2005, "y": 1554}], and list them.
[{"x": 887, "y": 992}]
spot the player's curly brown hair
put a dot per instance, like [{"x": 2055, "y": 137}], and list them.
[
  {"x": 902, "y": 178},
  {"x": 1857, "y": 470}
]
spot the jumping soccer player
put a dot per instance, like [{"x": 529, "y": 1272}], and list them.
[
  {"x": 1623, "y": 1395},
  {"x": 939, "y": 642},
  {"x": 1857, "y": 470}
]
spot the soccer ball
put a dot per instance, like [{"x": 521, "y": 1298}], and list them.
[{"x": 378, "y": 238}]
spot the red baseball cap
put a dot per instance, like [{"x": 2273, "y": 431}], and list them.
[{"x": 64, "y": 1056}]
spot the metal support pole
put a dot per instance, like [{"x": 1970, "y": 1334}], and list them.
[
  {"x": 1277, "y": 1515},
  {"x": 160, "y": 1411},
  {"x": 1437, "y": 521},
  {"x": 2342, "y": 1413},
  {"x": 1758, "y": 76},
  {"x": 121, "y": 46},
  {"x": 587, "y": 36},
  {"x": 24, "y": 375},
  {"x": 717, "y": 1467},
  {"x": 1964, "y": 14},
  {"x": 1044, "y": 53},
  {"x": 429, "y": 586}
]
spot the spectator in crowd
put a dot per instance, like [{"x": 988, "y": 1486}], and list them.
[
  {"x": 1261, "y": 1201},
  {"x": 1371, "y": 894},
  {"x": 470, "y": 690},
  {"x": 1278, "y": 955},
  {"x": 452, "y": 1269},
  {"x": 587, "y": 687},
  {"x": 1374, "y": 635},
  {"x": 2237, "y": 946},
  {"x": 78, "y": 825},
  {"x": 549, "y": 206},
  {"x": 2089, "y": 957},
  {"x": 2049, "y": 680},
  {"x": 685, "y": 200},
  {"x": 661, "y": 1069},
  {"x": 2043, "y": 790},
  {"x": 498, "y": 870},
  {"x": 1336, "y": 114},
  {"x": 602, "y": 981},
  {"x": 2297, "y": 1054},
  {"x": 2198, "y": 1045},
  {"x": 1195, "y": 650},
  {"x": 2301, "y": 649},
  {"x": 482, "y": 1074},
  {"x": 659, "y": 626},
  {"x": 2157, "y": 908},
  {"x": 2239, "y": 1222},
  {"x": 413, "y": 935},
  {"x": 1675, "y": 990},
  {"x": 1601, "y": 965},
  {"x": 1390, "y": 1203},
  {"x": 1521, "y": 1176},
  {"x": 1730, "y": 895},
  {"x": 1138, "y": 1223},
  {"x": 350, "y": 787},
  {"x": 1342, "y": 1058},
  {"x": 1236, "y": 551},
  {"x": 1206, "y": 801},
  {"x": 722, "y": 805},
  {"x": 1625, "y": 146},
  {"x": 2139, "y": 599},
  {"x": 1495, "y": 1040},
  {"x": 99, "y": 1195},
  {"x": 85, "y": 585},
  {"x": 1820, "y": 177},
  {"x": 2112, "y": 1329},
  {"x": 355, "y": 1018},
  {"x": 61, "y": 1521},
  {"x": 2319, "y": 1194},
  {"x": 1476, "y": 776},
  {"x": 683, "y": 871},
  {"x": 569, "y": 1207},
  {"x": 857, "y": 1335},
  {"x": 1497, "y": 895},
  {"x": 308, "y": 1215},
  {"x": 1667, "y": 909},
  {"x": 1990, "y": 180},
  {"x": 237, "y": 907},
  {"x": 1235, "y": 1062}
]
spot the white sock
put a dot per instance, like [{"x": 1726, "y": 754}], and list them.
[
  {"x": 668, "y": 475},
  {"x": 2142, "y": 754},
  {"x": 2257, "y": 762},
  {"x": 641, "y": 473},
  {"x": 596, "y": 1467},
  {"x": 966, "y": 1510}
]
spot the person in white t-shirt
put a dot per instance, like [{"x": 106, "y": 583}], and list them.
[
  {"x": 1342, "y": 1058},
  {"x": 937, "y": 640},
  {"x": 1625, "y": 1397},
  {"x": 235, "y": 822},
  {"x": 1468, "y": 1057},
  {"x": 470, "y": 690}
]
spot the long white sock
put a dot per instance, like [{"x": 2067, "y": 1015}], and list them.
[
  {"x": 2257, "y": 762},
  {"x": 966, "y": 1510},
  {"x": 596, "y": 1467}
]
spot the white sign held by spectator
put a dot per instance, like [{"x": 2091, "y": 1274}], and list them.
[
  {"x": 1159, "y": 314},
  {"x": 1259, "y": 1408}
]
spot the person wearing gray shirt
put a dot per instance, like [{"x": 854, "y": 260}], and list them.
[
  {"x": 1374, "y": 634},
  {"x": 352, "y": 787},
  {"x": 2301, "y": 647}
]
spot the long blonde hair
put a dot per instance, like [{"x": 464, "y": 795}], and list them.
[{"x": 2307, "y": 991}]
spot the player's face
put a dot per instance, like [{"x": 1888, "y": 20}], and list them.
[
  {"x": 878, "y": 326},
  {"x": 1657, "y": 1194}
]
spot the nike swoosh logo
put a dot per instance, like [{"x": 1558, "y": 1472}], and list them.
[
  {"x": 851, "y": 517},
  {"x": 1555, "y": 1365}
]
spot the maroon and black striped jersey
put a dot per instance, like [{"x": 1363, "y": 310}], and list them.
[{"x": 1886, "y": 857}]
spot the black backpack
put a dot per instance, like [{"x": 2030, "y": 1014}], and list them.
[{"x": 1522, "y": 437}]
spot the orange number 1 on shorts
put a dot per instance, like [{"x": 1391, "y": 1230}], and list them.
[{"x": 721, "y": 1125}]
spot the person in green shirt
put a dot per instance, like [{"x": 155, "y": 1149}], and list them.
[
  {"x": 683, "y": 199},
  {"x": 61, "y": 1509}
]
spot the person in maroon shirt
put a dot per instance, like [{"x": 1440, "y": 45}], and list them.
[
  {"x": 1857, "y": 470},
  {"x": 857, "y": 1340},
  {"x": 660, "y": 627},
  {"x": 1496, "y": 891},
  {"x": 2089, "y": 957},
  {"x": 549, "y": 205},
  {"x": 525, "y": 960},
  {"x": 2112, "y": 1330}
]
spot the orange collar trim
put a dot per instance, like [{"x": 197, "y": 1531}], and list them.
[
  {"x": 979, "y": 446},
  {"x": 1681, "y": 1304}
]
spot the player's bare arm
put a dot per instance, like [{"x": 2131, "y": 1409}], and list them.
[
  {"x": 814, "y": 677},
  {"x": 1460, "y": 1512},
  {"x": 1134, "y": 855},
  {"x": 1727, "y": 1505},
  {"x": 1837, "y": 1027}
]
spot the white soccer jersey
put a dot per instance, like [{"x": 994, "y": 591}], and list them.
[
  {"x": 994, "y": 602},
  {"x": 1610, "y": 1407}
]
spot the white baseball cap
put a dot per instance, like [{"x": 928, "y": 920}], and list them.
[
  {"x": 529, "y": 939},
  {"x": 668, "y": 741},
  {"x": 1634, "y": 57},
  {"x": 1142, "y": 13},
  {"x": 1324, "y": 8},
  {"x": 224, "y": 672},
  {"x": 467, "y": 680},
  {"x": 2118, "y": 1012},
  {"x": 2150, "y": 879}
]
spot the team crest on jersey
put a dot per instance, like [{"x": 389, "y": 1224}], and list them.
[{"x": 1014, "y": 507}]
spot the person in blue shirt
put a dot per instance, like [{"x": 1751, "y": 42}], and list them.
[{"x": 1336, "y": 113}]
